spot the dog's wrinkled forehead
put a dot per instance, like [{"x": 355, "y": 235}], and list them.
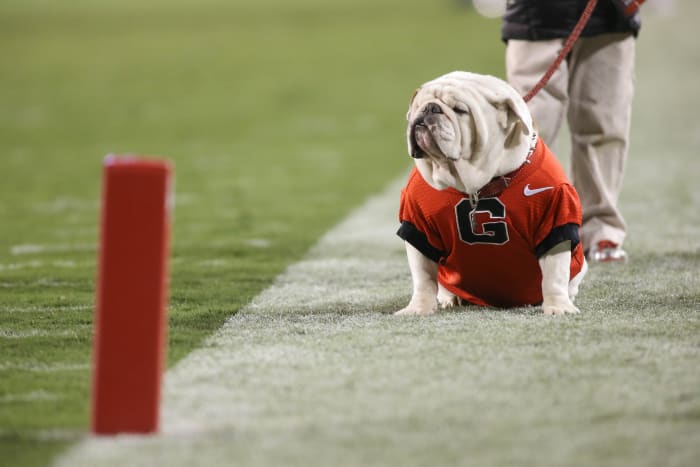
[
  {"x": 440, "y": 91},
  {"x": 462, "y": 86},
  {"x": 431, "y": 93}
]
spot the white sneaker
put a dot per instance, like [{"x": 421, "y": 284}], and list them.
[{"x": 606, "y": 251}]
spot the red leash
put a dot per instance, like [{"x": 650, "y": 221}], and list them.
[{"x": 585, "y": 16}]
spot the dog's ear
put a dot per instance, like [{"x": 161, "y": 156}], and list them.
[
  {"x": 511, "y": 112},
  {"x": 410, "y": 103},
  {"x": 514, "y": 118}
]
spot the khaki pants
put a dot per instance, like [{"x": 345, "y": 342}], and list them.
[{"x": 594, "y": 89}]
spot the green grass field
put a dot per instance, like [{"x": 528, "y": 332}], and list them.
[{"x": 281, "y": 117}]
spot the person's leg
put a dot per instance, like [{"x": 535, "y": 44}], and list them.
[
  {"x": 526, "y": 63},
  {"x": 600, "y": 108}
]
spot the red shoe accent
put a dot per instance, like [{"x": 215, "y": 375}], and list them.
[{"x": 606, "y": 251}]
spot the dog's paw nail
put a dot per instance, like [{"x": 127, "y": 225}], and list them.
[
  {"x": 553, "y": 312},
  {"x": 558, "y": 311}
]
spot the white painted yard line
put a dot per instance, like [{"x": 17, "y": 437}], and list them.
[
  {"x": 22, "y": 265},
  {"x": 85, "y": 307},
  {"x": 354, "y": 266},
  {"x": 30, "y": 249},
  {"x": 33, "y": 264},
  {"x": 44, "y": 309},
  {"x": 39, "y": 367},
  {"x": 40, "y": 282},
  {"x": 33, "y": 396},
  {"x": 67, "y": 204},
  {"x": 29, "y": 333}
]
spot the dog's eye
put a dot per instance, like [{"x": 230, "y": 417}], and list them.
[{"x": 460, "y": 110}]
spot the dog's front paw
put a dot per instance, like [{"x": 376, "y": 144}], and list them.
[
  {"x": 419, "y": 307},
  {"x": 558, "y": 305}
]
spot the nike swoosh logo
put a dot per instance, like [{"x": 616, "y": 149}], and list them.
[{"x": 527, "y": 191}]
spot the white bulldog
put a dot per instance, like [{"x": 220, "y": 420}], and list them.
[{"x": 491, "y": 218}]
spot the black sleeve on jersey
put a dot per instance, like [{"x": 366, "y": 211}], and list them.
[
  {"x": 415, "y": 237},
  {"x": 556, "y": 236}
]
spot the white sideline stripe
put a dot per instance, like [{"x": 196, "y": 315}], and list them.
[{"x": 356, "y": 263}]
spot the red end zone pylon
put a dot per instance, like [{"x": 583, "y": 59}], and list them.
[{"x": 131, "y": 295}]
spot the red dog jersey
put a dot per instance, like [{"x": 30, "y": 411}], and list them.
[{"x": 488, "y": 254}]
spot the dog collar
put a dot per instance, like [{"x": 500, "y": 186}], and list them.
[{"x": 497, "y": 184}]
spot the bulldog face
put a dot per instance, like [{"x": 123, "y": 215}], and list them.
[{"x": 464, "y": 129}]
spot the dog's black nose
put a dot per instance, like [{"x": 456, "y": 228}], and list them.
[{"x": 432, "y": 108}]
